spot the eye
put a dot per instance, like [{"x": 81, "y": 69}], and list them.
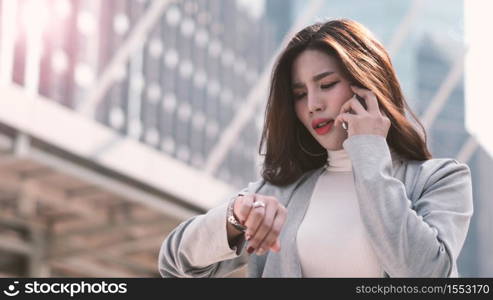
[
  {"x": 328, "y": 86},
  {"x": 298, "y": 95}
]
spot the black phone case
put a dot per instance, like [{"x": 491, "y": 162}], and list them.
[{"x": 362, "y": 101}]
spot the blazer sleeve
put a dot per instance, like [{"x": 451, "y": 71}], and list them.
[
  {"x": 419, "y": 238},
  {"x": 199, "y": 246}
]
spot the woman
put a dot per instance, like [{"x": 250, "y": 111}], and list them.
[{"x": 348, "y": 188}]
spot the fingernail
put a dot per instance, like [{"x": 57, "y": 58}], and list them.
[
  {"x": 247, "y": 237},
  {"x": 250, "y": 250}
]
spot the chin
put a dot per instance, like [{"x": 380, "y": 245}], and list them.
[{"x": 332, "y": 143}]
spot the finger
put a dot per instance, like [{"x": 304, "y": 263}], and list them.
[
  {"x": 356, "y": 105},
  {"x": 277, "y": 245},
  {"x": 373, "y": 106},
  {"x": 271, "y": 240},
  {"x": 370, "y": 98},
  {"x": 363, "y": 92},
  {"x": 253, "y": 222},
  {"x": 242, "y": 208},
  {"x": 344, "y": 117},
  {"x": 353, "y": 106},
  {"x": 264, "y": 228},
  {"x": 383, "y": 113}
]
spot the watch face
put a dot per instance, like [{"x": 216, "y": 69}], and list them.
[{"x": 235, "y": 223}]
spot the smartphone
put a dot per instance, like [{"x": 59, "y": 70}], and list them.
[{"x": 362, "y": 101}]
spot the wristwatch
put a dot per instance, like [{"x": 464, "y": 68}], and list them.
[{"x": 232, "y": 218}]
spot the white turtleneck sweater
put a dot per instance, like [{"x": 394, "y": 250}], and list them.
[{"x": 332, "y": 241}]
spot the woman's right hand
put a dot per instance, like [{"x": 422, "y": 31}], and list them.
[{"x": 263, "y": 223}]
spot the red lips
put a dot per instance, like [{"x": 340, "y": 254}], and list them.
[
  {"x": 318, "y": 121},
  {"x": 324, "y": 129}
]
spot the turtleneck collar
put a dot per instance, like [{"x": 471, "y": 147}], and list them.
[{"x": 339, "y": 161}]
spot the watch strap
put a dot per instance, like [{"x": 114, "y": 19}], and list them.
[{"x": 232, "y": 218}]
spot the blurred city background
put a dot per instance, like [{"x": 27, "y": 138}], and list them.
[{"x": 119, "y": 119}]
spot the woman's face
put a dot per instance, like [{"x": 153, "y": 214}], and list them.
[{"x": 319, "y": 90}]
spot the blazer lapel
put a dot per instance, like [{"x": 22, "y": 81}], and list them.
[{"x": 286, "y": 263}]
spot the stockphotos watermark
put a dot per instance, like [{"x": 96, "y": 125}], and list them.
[{"x": 72, "y": 288}]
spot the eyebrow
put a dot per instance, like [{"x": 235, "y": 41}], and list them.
[{"x": 314, "y": 78}]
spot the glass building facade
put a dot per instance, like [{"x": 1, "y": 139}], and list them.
[{"x": 178, "y": 90}]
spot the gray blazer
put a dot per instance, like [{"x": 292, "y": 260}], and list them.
[{"x": 416, "y": 214}]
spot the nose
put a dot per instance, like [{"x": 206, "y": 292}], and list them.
[{"x": 315, "y": 104}]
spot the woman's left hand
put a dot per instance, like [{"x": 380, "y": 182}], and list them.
[{"x": 371, "y": 121}]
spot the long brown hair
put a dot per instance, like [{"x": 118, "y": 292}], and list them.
[{"x": 364, "y": 62}]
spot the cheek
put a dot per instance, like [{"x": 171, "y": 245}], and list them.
[
  {"x": 341, "y": 98},
  {"x": 339, "y": 104}
]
